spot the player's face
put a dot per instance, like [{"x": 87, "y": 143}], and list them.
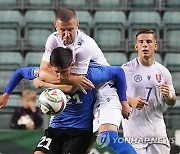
[
  {"x": 67, "y": 30},
  {"x": 146, "y": 46},
  {"x": 62, "y": 74}
]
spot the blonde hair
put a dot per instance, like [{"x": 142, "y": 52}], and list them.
[{"x": 29, "y": 95}]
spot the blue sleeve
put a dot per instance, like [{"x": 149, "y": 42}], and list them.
[
  {"x": 105, "y": 73},
  {"x": 29, "y": 73}
]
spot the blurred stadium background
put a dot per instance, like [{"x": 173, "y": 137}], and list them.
[{"x": 26, "y": 24}]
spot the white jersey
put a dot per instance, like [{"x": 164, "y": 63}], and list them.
[
  {"x": 143, "y": 81},
  {"x": 85, "y": 51}
]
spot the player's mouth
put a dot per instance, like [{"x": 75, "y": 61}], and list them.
[{"x": 145, "y": 51}]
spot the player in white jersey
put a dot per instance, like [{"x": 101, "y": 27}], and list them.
[
  {"x": 149, "y": 86},
  {"x": 89, "y": 54}
]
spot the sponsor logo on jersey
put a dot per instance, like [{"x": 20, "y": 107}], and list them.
[
  {"x": 148, "y": 77},
  {"x": 138, "y": 78},
  {"x": 158, "y": 78},
  {"x": 79, "y": 43}
]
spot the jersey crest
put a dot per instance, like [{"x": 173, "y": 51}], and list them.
[{"x": 158, "y": 78}]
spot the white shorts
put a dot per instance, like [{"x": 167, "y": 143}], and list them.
[
  {"x": 152, "y": 149},
  {"x": 107, "y": 109}
]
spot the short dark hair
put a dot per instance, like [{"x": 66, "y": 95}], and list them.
[
  {"x": 65, "y": 14},
  {"x": 61, "y": 57},
  {"x": 146, "y": 31}
]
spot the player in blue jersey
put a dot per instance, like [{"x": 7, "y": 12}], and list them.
[
  {"x": 78, "y": 113},
  {"x": 79, "y": 123}
]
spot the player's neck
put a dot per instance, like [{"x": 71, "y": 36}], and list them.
[{"x": 146, "y": 62}]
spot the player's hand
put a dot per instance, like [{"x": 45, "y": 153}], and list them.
[
  {"x": 137, "y": 102},
  {"x": 81, "y": 82},
  {"x": 164, "y": 89},
  {"x": 126, "y": 110},
  {"x": 38, "y": 83},
  {"x": 3, "y": 100}
]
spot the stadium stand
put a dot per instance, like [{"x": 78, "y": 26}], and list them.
[
  {"x": 170, "y": 5},
  {"x": 9, "y": 62},
  {"x": 106, "y": 5},
  {"x": 33, "y": 59},
  {"x": 150, "y": 5},
  {"x": 10, "y": 30},
  {"x": 109, "y": 30},
  {"x": 138, "y": 20},
  {"x": 26, "y": 24},
  {"x": 38, "y": 26},
  {"x": 85, "y": 20},
  {"x": 116, "y": 58},
  {"x": 171, "y": 32},
  {"x": 172, "y": 62},
  {"x": 75, "y": 4},
  {"x": 9, "y": 4},
  {"x": 39, "y": 4}
]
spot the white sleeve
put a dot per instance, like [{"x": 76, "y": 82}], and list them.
[
  {"x": 50, "y": 45},
  {"x": 82, "y": 60},
  {"x": 168, "y": 79}
]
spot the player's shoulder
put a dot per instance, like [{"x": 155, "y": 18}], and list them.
[
  {"x": 131, "y": 64},
  {"x": 86, "y": 40},
  {"x": 161, "y": 67},
  {"x": 54, "y": 35}
]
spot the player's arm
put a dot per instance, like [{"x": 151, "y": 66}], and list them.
[
  {"x": 167, "y": 89},
  {"x": 18, "y": 75},
  {"x": 102, "y": 74},
  {"x": 169, "y": 96},
  {"x": 137, "y": 102},
  {"x": 46, "y": 73},
  {"x": 106, "y": 73},
  {"x": 65, "y": 88}
]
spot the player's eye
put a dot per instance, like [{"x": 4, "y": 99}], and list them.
[{"x": 149, "y": 41}]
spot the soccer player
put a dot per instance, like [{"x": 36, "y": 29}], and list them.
[
  {"x": 77, "y": 116},
  {"x": 149, "y": 86},
  {"x": 73, "y": 118},
  {"x": 89, "y": 54}
]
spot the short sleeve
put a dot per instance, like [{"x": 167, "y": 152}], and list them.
[
  {"x": 168, "y": 79},
  {"x": 82, "y": 60},
  {"x": 50, "y": 45}
]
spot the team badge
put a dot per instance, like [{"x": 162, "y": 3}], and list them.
[
  {"x": 138, "y": 78},
  {"x": 36, "y": 72},
  {"x": 158, "y": 78}
]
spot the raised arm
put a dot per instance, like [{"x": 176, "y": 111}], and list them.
[{"x": 28, "y": 73}]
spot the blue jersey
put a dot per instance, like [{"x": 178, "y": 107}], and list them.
[
  {"x": 78, "y": 112},
  {"x": 29, "y": 73}
]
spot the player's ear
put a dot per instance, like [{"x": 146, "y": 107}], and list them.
[
  {"x": 136, "y": 47},
  {"x": 156, "y": 46},
  {"x": 55, "y": 25},
  {"x": 78, "y": 24}
]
